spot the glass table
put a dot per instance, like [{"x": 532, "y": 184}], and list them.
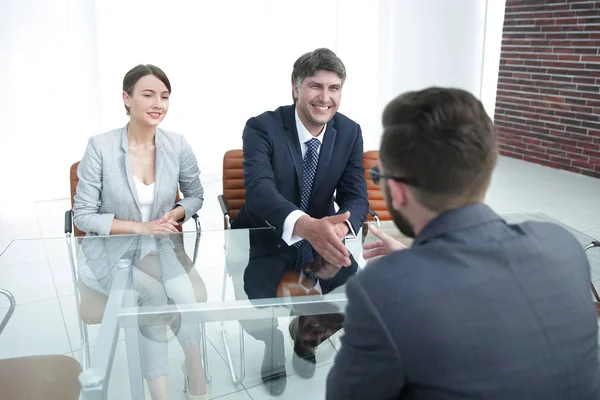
[
  {"x": 207, "y": 297},
  {"x": 160, "y": 294}
]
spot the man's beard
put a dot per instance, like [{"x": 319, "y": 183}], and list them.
[{"x": 401, "y": 222}]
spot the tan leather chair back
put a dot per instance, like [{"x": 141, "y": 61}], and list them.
[
  {"x": 74, "y": 180},
  {"x": 48, "y": 377},
  {"x": 376, "y": 200},
  {"x": 234, "y": 193}
]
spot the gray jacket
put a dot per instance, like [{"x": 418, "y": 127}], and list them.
[
  {"x": 475, "y": 309},
  {"x": 106, "y": 190}
]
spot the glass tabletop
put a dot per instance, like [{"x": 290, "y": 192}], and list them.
[
  {"x": 164, "y": 290},
  {"x": 221, "y": 293}
]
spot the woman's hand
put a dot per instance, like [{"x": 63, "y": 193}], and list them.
[
  {"x": 176, "y": 214},
  {"x": 158, "y": 227},
  {"x": 384, "y": 244}
]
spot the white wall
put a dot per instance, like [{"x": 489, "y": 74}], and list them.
[
  {"x": 48, "y": 94},
  {"x": 435, "y": 43},
  {"x": 491, "y": 59},
  {"x": 438, "y": 43},
  {"x": 227, "y": 61}
]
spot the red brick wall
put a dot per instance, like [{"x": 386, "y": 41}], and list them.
[{"x": 548, "y": 99}]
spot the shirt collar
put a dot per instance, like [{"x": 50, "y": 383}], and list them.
[
  {"x": 303, "y": 134},
  {"x": 457, "y": 219}
]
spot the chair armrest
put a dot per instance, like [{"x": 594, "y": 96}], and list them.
[
  {"x": 375, "y": 216},
  {"x": 225, "y": 210},
  {"x": 197, "y": 241},
  {"x": 11, "y": 309},
  {"x": 224, "y": 207},
  {"x": 68, "y": 222},
  {"x": 197, "y": 222},
  {"x": 595, "y": 243}
]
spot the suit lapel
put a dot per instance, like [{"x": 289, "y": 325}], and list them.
[
  {"x": 160, "y": 157},
  {"x": 324, "y": 157},
  {"x": 130, "y": 181},
  {"x": 291, "y": 136}
]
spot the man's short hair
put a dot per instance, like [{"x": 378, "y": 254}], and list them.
[
  {"x": 443, "y": 139},
  {"x": 308, "y": 64}
]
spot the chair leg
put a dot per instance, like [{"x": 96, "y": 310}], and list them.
[
  {"x": 235, "y": 379},
  {"x": 85, "y": 345},
  {"x": 207, "y": 375},
  {"x": 83, "y": 332}
]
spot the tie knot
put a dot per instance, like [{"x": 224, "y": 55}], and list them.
[{"x": 312, "y": 144}]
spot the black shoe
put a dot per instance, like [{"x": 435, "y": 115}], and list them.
[
  {"x": 304, "y": 360},
  {"x": 273, "y": 372}
]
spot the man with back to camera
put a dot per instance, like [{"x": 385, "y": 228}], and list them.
[
  {"x": 476, "y": 308},
  {"x": 295, "y": 158}
]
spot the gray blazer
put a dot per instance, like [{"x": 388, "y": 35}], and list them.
[
  {"x": 106, "y": 190},
  {"x": 475, "y": 309}
]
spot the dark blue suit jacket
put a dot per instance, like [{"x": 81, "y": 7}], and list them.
[
  {"x": 475, "y": 309},
  {"x": 273, "y": 174}
]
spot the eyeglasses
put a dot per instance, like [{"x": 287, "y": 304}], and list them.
[{"x": 376, "y": 176}]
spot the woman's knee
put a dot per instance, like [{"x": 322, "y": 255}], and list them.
[{"x": 150, "y": 291}]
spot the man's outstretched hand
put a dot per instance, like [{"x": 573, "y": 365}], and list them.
[
  {"x": 383, "y": 245},
  {"x": 324, "y": 236}
]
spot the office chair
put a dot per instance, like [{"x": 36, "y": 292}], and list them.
[
  {"x": 377, "y": 208},
  {"x": 43, "y": 377}
]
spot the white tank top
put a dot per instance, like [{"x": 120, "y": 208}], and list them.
[{"x": 146, "y": 198}]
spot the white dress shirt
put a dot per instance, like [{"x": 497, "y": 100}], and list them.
[
  {"x": 290, "y": 221},
  {"x": 145, "y": 198}
]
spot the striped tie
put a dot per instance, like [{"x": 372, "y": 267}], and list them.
[{"x": 309, "y": 169}]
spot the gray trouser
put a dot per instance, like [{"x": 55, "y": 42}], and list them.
[{"x": 157, "y": 278}]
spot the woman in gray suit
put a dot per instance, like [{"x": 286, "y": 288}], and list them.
[{"x": 128, "y": 179}]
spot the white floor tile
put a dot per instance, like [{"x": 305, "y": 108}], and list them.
[
  {"x": 298, "y": 388},
  {"x": 220, "y": 385},
  {"x": 51, "y": 216},
  {"x": 17, "y": 222},
  {"x": 60, "y": 267},
  {"x": 241, "y": 395},
  {"x": 71, "y": 316},
  {"x": 579, "y": 218},
  {"x": 29, "y": 282},
  {"x": 593, "y": 233},
  {"x": 35, "y": 328},
  {"x": 118, "y": 387},
  {"x": 23, "y": 251}
]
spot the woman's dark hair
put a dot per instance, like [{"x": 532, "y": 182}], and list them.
[{"x": 138, "y": 72}]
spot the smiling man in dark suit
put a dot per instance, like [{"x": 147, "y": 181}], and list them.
[{"x": 295, "y": 159}]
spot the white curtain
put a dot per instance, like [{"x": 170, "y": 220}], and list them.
[{"x": 63, "y": 63}]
